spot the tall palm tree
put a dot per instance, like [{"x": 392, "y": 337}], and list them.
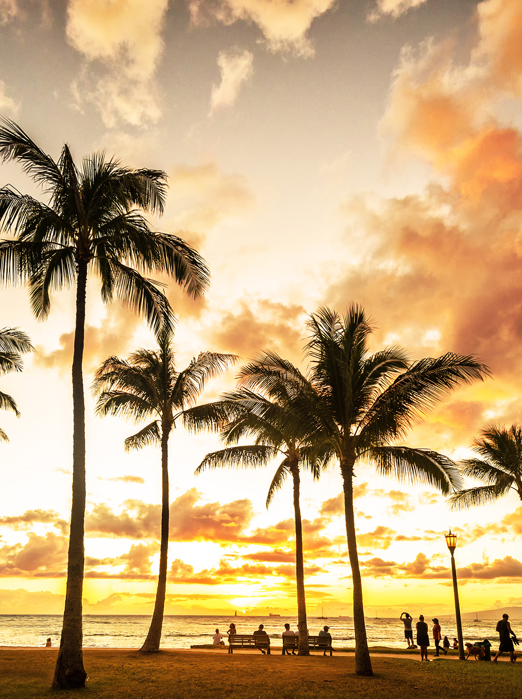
[
  {"x": 92, "y": 221},
  {"x": 148, "y": 385},
  {"x": 13, "y": 343},
  {"x": 498, "y": 466},
  {"x": 362, "y": 404},
  {"x": 262, "y": 411}
]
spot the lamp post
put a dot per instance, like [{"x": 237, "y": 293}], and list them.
[{"x": 451, "y": 540}]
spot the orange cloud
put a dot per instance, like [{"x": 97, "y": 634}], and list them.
[
  {"x": 41, "y": 556},
  {"x": 29, "y": 518},
  {"x": 260, "y": 325}
]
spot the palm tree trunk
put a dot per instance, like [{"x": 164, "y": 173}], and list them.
[
  {"x": 153, "y": 640},
  {"x": 302, "y": 624},
  {"x": 69, "y": 672},
  {"x": 363, "y": 664}
]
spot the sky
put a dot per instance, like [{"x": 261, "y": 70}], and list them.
[{"x": 319, "y": 152}]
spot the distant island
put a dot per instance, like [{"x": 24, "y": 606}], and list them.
[{"x": 514, "y": 613}]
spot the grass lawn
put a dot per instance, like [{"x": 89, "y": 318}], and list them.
[{"x": 117, "y": 674}]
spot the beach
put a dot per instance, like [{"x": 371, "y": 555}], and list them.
[{"x": 214, "y": 674}]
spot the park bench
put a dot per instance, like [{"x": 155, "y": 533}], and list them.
[
  {"x": 314, "y": 643},
  {"x": 239, "y": 640}
]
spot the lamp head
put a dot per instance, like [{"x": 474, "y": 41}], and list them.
[{"x": 451, "y": 541}]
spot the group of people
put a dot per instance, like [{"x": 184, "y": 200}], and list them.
[
  {"x": 217, "y": 638},
  {"x": 506, "y": 635}
]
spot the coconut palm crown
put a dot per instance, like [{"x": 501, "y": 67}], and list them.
[
  {"x": 148, "y": 385},
  {"x": 362, "y": 404},
  {"x": 498, "y": 467},
  {"x": 92, "y": 222},
  {"x": 262, "y": 411},
  {"x": 13, "y": 343}
]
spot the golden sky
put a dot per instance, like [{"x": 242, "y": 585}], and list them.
[{"x": 318, "y": 153}]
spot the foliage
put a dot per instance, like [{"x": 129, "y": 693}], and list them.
[{"x": 13, "y": 343}]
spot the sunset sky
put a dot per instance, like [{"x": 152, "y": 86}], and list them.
[{"x": 319, "y": 152}]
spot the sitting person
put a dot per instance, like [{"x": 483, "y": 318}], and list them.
[
  {"x": 328, "y": 639},
  {"x": 288, "y": 632},
  {"x": 261, "y": 632},
  {"x": 217, "y": 639},
  {"x": 455, "y": 643},
  {"x": 48, "y": 643}
]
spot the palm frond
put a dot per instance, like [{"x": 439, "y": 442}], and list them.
[
  {"x": 192, "y": 380},
  {"x": 479, "y": 495},
  {"x": 8, "y": 403},
  {"x": 149, "y": 435},
  {"x": 3, "y": 436},
  {"x": 277, "y": 482},
  {"x": 13, "y": 343},
  {"x": 122, "y": 404},
  {"x": 416, "y": 466},
  {"x": 486, "y": 472},
  {"x": 238, "y": 457}
]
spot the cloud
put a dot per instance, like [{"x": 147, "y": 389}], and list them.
[
  {"x": 236, "y": 69},
  {"x": 203, "y": 196},
  {"x": 41, "y": 556},
  {"x": 125, "y": 37},
  {"x": 189, "y": 521},
  {"x": 394, "y": 8},
  {"x": 29, "y": 518},
  {"x": 260, "y": 324},
  {"x": 284, "y": 24},
  {"x": 7, "y": 104},
  {"x": 380, "y": 538},
  {"x": 333, "y": 506},
  {"x": 111, "y": 338},
  {"x": 401, "y": 503},
  {"x": 137, "y": 560},
  {"x": 126, "y": 479},
  {"x": 8, "y": 11},
  {"x": 22, "y": 601},
  {"x": 208, "y": 522}
]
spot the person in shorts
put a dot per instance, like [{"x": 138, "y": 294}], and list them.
[
  {"x": 506, "y": 637},
  {"x": 408, "y": 631}
]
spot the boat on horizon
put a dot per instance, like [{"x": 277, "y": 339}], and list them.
[
  {"x": 270, "y": 614},
  {"x": 322, "y": 615}
]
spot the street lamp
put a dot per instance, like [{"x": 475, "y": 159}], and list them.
[{"x": 451, "y": 540}]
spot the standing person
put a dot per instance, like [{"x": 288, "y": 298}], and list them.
[
  {"x": 231, "y": 631},
  {"x": 423, "y": 640},
  {"x": 437, "y": 636},
  {"x": 408, "y": 631},
  {"x": 216, "y": 639},
  {"x": 506, "y": 642},
  {"x": 264, "y": 641},
  {"x": 288, "y": 632}
]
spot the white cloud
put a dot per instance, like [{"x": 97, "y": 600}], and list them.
[
  {"x": 395, "y": 8},
  {"x": 284, "y": 23},
  {"x": 125, "y": 35},
  {"x": 236, "y": 69},
  {"x": 8, "y": 10},
  {"x": 7, "y": 104}
]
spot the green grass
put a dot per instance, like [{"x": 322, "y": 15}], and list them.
[{"x": 119, "y": 674}]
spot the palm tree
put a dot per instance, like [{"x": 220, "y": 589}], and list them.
[
  {"x": 362, "y": 404},
  {"x": 92, "y": 222},
  {"x": 498, "y": 467},
  {"x": 262, "y": 410},
  {"x": 149, "y": 385},
  {"x": 13, "y": 343}
]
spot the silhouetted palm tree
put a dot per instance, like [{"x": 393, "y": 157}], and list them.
[
  {"x": 261, "y": 409},
  {"x": 498, "y": 467},
  {"x": 362, "y": 404},
  {"x": 145, "y": 386},
  {"x": 92, "y": 221},
  {"x": 13, "y": 343}
]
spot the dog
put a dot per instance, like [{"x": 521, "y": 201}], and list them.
[{"x": 479, "y": 653}]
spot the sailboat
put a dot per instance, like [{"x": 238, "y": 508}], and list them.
[
  {"x": 476, "y": 617},
  {"x": 322, "y": 614}
]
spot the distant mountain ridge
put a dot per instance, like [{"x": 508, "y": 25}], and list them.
[{"x": 514, "y": 613}]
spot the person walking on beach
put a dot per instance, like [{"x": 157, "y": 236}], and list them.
[
  {"x": 423, "y": 640},
  {"x": 288, "y": 632},
  {"x": 216, "y": 639},
  {"x": 261, "y": 632},
  {"x": 408, "y": 631},
  {"x": 437, "y": 636},
  {"x": 506, "y": 642}
]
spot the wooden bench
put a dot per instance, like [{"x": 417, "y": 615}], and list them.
[
  {"x": 314, "y": 643},
  {"x": 239, "y": 640}
]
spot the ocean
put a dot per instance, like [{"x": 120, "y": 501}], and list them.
[{"x": 127, "y": 631}]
